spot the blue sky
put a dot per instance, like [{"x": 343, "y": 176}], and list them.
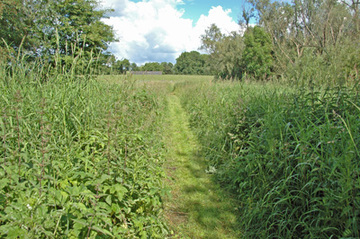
[
  {"x": 160, "y": 30},
  {"x": 195, "y": 8}
]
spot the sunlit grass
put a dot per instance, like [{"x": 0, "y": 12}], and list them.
[
  {"x": 196, "y": 206},
  {"x": 290, "y": 154}
]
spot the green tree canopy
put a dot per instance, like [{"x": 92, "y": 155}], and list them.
[
  {"x": 257, "y": 57},
  {"x": 66, "y": 29},
  {"x": 228, "y": 57},
  {"x": 167, "y": 67},
  {"x": 16, "y": 23},
  {"x": 210, "y": 38},
  {"x": 75, "y": 27},
  {"x": 152, "y": 66},
  {"x": 191, "y": 63}
]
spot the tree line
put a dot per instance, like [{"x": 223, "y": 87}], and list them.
[
  {"x": 188, "y": 63},
  {"x": 305, "y": 40},
  {"x": 68, "y": 33},
  {"x": 302, "y": 40}
]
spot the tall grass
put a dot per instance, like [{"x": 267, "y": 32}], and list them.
[
  {"x": 79, "y": 158},
  {"x": 290, "y": 155}
]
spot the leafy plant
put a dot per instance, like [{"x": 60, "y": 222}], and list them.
[{"x": 79, "y": 157}]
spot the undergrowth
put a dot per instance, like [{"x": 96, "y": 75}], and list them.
[
  {"x": 79, "y": 158},
  {"x": 291, "y": 155}
]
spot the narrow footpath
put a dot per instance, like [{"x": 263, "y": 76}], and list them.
[{"x": 196, "y": 207}]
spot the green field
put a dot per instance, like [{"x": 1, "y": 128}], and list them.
[{"x": 176, "y": 157}]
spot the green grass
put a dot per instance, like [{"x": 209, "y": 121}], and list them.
[
  {"x": 155, "y": 78},
  {"x": 85, "y": 158},
  {"x": 290, "y": 154},
  {"x": 196, "y": 207},
  {"x": 79, "y": 158}
]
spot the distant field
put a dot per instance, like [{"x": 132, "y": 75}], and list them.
[{"x": 173, "y": 78}]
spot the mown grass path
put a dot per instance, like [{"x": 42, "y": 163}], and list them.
[{"x": 196, "y": 206}]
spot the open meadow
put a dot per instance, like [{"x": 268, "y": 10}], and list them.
[{"x": 176, "y": 156}]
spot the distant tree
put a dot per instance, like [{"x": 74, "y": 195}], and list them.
[
  {"x": 121, "y": 66},
  {"x": 151, "y": 66},
  {"x": 209, "y": 43},
  {"x": 257, "y": 57},
  {"x": 191, "y": 63},
  {"x": 225, "y": 53},
  {"x": 211, "y": 37},
  {"x": 134, "y": 67},
  {"x": 167, "y": 67},
  {"x": 228, "y": 57}
]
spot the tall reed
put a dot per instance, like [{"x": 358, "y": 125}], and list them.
[{"x": 289, "y": 154}]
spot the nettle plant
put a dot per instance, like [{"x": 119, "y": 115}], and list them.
[{"x": 79, "y": 158}]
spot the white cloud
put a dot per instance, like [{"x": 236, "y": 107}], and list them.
[
  {"x": 154, "y": 30},
  {"x": 220, "y": 17}
]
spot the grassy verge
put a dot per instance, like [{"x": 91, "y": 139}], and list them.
[
  {"x": 290, "y": 155},
  {"x": 196, "y": 207}
]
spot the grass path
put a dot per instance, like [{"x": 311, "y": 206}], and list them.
[{"x": 196, "y": 206}]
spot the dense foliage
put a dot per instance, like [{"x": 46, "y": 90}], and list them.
[
  {"x": 302, "y": 41},
  {"x": 79, "y": 158},
  {"x": 58, "y": 31},
  {"x": 257, "y": 58},
  {"x": 192, "y": 63},
  {"x": 291, "y": 156},
  {"x": 82, "y": 158}
]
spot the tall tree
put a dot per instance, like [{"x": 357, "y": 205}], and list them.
[
  {"x": 68, "y": 29},
  {"x": 209, "y": 43},
  {"x": 74, "y": 27},
  {"x": 15, "y": 24},
  {"x": 167, "y": 67},
  {"x": 152, "y": 66},
  {"x": 191, "y": 63},
  {"x": 210, "y": 38},
  {"x": 228, "y": 57},
  {"x": 257, "y": 56}
]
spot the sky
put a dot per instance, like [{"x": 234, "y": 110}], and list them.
[{"x": 160, "y": 30}]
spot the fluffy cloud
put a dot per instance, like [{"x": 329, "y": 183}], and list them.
[{"x": 154, "y": 30}]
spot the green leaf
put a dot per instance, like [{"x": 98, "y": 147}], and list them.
[
  {"x": 4, "y": 182},
  {"x": 120, "y": 191},
  {"x": 108, "y": 199},
  {"x": 16, "y": 232},
  {"x": 103, "y": 231}
]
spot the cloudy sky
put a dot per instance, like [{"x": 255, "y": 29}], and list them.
[{"x": 160, "y": 30}]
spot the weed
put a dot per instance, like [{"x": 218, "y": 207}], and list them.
[
  {"x": 76, "y": 163},
  {"x": 290, "y": 154}
]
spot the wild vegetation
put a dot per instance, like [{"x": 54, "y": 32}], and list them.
[
  {"x": 82, "y": 155},
  {"x": 79, "y": 158},
  {"x": 299, "y": 41},
  {"x": 289, "y": 154}
]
